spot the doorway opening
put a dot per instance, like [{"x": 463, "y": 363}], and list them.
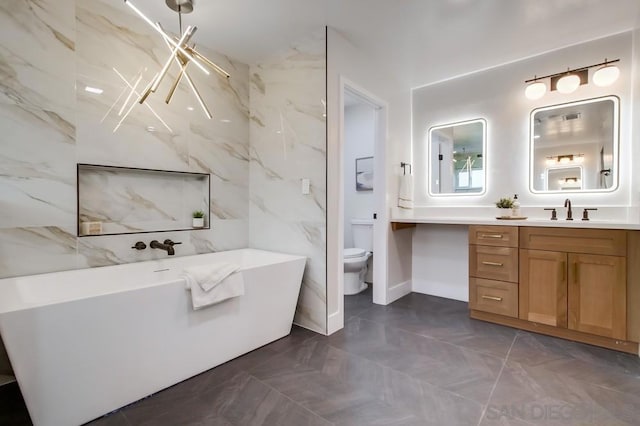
[{"x": 363, "y": 201}]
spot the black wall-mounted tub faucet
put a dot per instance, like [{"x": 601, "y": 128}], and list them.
[{"x": 155, "y": 244}]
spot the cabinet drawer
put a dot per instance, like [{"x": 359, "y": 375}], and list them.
[
  {"x": 494, "y": 263},
  {"x": 497, "y": 297},
  {"x": 611, "y": 242},
  {"x": 501, "y": 236}
]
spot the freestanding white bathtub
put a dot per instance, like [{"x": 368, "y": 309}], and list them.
[{"x": 83, "y": 343}]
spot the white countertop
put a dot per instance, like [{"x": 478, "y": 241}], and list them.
[{"x": 484, "y": 217}]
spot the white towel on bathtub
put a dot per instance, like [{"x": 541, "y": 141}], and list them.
[
  {"x": 205, "y": 292},
  {"x": 209, "y": 276}
]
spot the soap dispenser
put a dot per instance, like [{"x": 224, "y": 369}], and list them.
[{"x": 515, "y": 209}]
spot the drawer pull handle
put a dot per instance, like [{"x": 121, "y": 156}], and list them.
[
  {"x": 492, "y": 263},
  {"x": 497, "y": 299},
  {"x": 491, "y": 236}
]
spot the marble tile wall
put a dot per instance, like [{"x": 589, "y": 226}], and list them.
[
  {"x": 51, "y": 50},
  {"x": 288, "y": 143}
]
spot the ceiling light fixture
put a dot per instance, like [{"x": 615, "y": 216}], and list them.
[
  {"x": 181, "y": 53},
  {"x": 568, "y": 81}
]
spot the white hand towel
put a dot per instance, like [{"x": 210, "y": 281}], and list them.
[
  {"x": 405, "y": 195},
  {"x": 232, "y": 286},
  {"x": 209, "y": 276}
]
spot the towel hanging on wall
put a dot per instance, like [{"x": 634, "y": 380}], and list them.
[{"x": 405, "y": 194}]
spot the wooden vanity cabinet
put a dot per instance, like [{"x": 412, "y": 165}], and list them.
[
  {"x": 598, "y": 295},
  {"x": 574, "y": 278},
  {"x": 573, "y": 283},
  {"x": 543, "y": 287},
  {"x": 493, "y": 269}
]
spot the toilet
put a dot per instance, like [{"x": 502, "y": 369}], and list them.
[{"x": 355, "y": 259}]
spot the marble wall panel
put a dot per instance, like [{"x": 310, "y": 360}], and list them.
[
  {"x": 52, "y": 50},
  {"x": 288, "y": 143},
  {"x": 37, "y": 249},
  {"x": 37, "y": 98}
]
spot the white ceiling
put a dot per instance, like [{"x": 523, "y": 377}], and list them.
[{"x": 421, "y": 41}]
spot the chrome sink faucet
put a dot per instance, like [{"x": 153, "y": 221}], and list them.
[{"x": 567, "y": 203}]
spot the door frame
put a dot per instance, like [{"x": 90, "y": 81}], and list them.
[{"x": 336, "y": 319}]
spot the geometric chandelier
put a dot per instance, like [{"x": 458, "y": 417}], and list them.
[{"x": 182, "y": 53}]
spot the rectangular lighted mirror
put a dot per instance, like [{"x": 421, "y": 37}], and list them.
[
  {"x": 574, "y": 146},
  {"x": 457, "y": 158}
]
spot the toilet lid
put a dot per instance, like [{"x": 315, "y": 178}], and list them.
[{"x": 350, "y": 253}]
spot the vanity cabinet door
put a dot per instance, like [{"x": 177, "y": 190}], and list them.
[
  {"x": 543, "y": 287},
  {"x": 597, "y": 295}
]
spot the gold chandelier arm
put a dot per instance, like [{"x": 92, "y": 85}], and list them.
[
  {"x": 204, "y": 59},
  {"x": 183, "y": 70},
  {"x": 159, "y": 29},
  {"x": 183, "y": 73},
  {"x": 174, "y": 86},
  {"x": 200, "y": 100},
  {"x": 185, "y": 38}
]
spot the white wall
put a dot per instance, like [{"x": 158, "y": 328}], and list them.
[
  {"x": 497, "y": 95},
  {"x": 359, "y": 134},
  {"x": 347, "y": 61}
]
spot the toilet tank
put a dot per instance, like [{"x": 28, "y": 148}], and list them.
[{"x": 362, "y": 230}]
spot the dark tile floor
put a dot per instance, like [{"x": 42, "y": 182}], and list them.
[{"x": 418, "y": 361}]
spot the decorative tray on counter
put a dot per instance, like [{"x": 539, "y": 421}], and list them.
[{"x": 511, "y": 217}]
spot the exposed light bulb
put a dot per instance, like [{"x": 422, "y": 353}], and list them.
[
  {"x": 606, "y": 75},
  {"x": 568, "y": 84},
  {"x": 535, "y": 90}
]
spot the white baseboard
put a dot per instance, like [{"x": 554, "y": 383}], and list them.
[
  {"x": 335, "y": 322},
  {"x": 399, "y": 290},
  {"x": 446, "y": 290}
]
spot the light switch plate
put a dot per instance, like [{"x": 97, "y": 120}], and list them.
[{"x": 306, "y": 186}]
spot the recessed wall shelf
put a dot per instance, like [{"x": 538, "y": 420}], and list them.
[{"x": 115, "y": 200}]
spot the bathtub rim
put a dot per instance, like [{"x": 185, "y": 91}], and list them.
[{"x": 11, "y": 299}]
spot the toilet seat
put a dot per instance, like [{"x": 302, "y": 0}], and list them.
[{"x": 351, "y": 253}]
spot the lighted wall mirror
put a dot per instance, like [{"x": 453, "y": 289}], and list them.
[
  {"x": 574, "y": 146},
  {"x": 457, "y": 154}
]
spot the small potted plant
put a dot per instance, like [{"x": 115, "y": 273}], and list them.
[
  {"x": 198, "y": 219},
  {"x": 504, "y": 206}
]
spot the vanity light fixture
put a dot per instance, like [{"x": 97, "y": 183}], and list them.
[
  {"x": 535, "y": 90},
  {"x": 182, "y": 53},
  {"x": 607, "y": 75},
  {"x": 569, "y": 180},
  {"x": 565, "y": 159},
  {"x": 568, "y": 81}
]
